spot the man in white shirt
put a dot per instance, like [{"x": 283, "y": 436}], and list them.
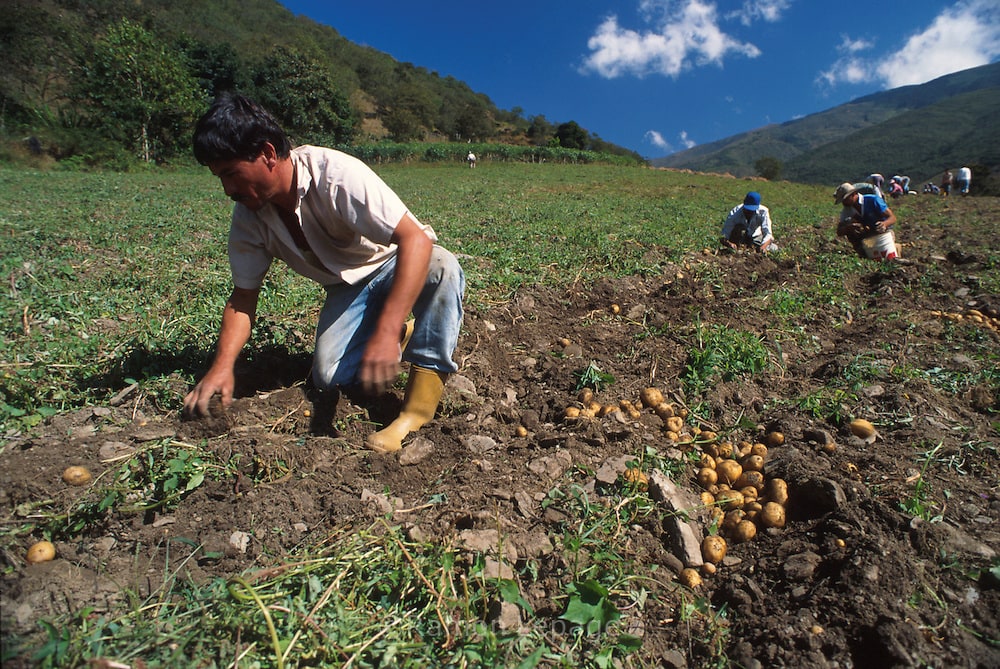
[
  {"x": 749, "y": 224},
  {"x": 333, "y": 220}
]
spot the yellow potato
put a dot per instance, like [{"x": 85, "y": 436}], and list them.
[
  {"x": 707, "y": 477},
  {"x": 745, "y": 530},
  {"x": 862, "y": 428},
  {"x": 713, "y": 549},
  {"x": 651, "y": 397},
  {"x": 675, "y": 424},
  {"x": 772, "y": 515},
  {"x": 729, "y": 471},
  {"x": 43, "y": 551},
  {"x": 750, "y": 479},
  {"x": 776, "y": 490},
  {"x": 730, "y": 499},
  {"x": 753, "y": 463},
  {"x": 689, "y": 578},
  {"x": 585, "y": 396},
  {"x": 76, "y": 475},
  {"x": 636, "y": 477}
]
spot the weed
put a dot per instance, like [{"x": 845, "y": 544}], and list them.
[
  {"x": 592, "y": 377},
  {"x": 722, "y": 353},
  {"x": 919, "y": 503}
]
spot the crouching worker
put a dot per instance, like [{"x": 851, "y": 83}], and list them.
[
  {"x": 749, "y": 224},
  {"x": 330, "y": 218},
  {"x": 866, "y": 221}
]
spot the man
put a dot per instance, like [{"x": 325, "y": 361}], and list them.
[
  {"x": 963, "y": 180},
  {"x": 333, "y": 220},
  {"x": 749, "y": 224},
  {"x": 863, "y": 216}
]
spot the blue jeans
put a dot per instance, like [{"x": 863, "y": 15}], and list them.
[{"x": 350, "y": 312}]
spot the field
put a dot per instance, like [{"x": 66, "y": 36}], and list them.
[{"x": 505, "y": 533}]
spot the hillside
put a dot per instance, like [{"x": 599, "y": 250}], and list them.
[
  {"x": 83, "y": 77},
  {"x": 918, "y": 130}
]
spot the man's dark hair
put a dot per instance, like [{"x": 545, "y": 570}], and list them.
[{"x": 236, "y": 128}]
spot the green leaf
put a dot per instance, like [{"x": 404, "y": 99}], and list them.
[{"x": 194, "y": 481}]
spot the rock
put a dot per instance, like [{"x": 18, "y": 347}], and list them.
[
  {"x": 479, "y": 444},
  {"x": 801, "y": 567},
  {"x": 240, "y": 541},
  {"x": 551, "y": 466},
  {"x": 818, "y": 496},
  {"x": 416, "y": 451},
  {"x": 609, "y": 471}
]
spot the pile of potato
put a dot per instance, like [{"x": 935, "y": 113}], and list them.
[
  {"x": 970, "y": 316},
  {"x": 742, "y": 499}
]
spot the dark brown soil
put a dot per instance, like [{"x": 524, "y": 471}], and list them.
[{"x": 851, "y": 581}]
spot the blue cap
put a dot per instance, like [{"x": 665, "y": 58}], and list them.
[{"x": 752, "y": 201}]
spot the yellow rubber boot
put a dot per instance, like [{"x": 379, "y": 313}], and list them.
[{"x": 420, "y": 401}]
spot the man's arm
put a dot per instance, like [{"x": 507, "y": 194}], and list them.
[
  {"x": 237, "y": 319},
  {"x": 380, "y": 361},
  {"x": 888, "y": 220}
]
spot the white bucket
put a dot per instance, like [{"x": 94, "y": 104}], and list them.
[{"x": 881, "y": 247}]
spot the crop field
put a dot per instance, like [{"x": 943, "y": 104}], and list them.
[{"x": 610, "y": 355}]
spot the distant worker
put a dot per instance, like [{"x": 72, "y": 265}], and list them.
[
  {"x": 963, "y": 180},
  {"x": 946, "y": 180},
  {"x": 877, "y": 180},
  {"x": 749, "y": 224},
  {"x": 863, "y": 217},
  {"x": 471, "y": 158},
  {"x": 904, "y": 182}
]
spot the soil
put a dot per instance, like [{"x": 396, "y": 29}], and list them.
[{"x": 852, "y": 580}]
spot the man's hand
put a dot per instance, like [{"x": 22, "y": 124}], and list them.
[
  {"x": 222, "y": 382},
  {"x": 380, "y": 363}
]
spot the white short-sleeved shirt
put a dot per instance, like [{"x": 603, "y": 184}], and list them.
[{"x": 347, "y": 213}]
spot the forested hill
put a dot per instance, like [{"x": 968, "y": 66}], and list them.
[
  {"x": 914, "y": 130},
  {"x": 120, "y": 78}
]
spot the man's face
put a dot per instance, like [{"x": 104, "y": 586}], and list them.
[
  {"x": 249, "y": 182},
  {"x": 851, "y": 200}
]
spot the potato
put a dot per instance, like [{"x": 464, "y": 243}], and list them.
[
  {"x": 749, "y": 493},
  {"x": 689, "y": 578},
  {"x": 776, "y": 490},
  {"x": 672, "y": 436},
  {"x": 730, "y": 499},
  {"x": 637, "y": 477},
  {"x": 43, "y": 551},
  {"x": 713, "y": 549},
  {"x": 753, "y": 463},
  {"x": 773, "y": 439},
  {"x": 521, "y": 431},
  {"x": 750, "y": 479},
  {"x": 76, "y": 475},
  {"x": 707, "y": 435},
  {"x": 725, "y": 449},
  {"x": 594, "y": 407},
  {"x": 675, "y": 424},
  {"x": 706, "y": 460},
  {"x": 585, "y": 396},
  {"x": 707, "y": 477},
  {"x": 651, "y": 397},
  {"x": 730, "y": 520},
  {"x": 729, "y": 471},
  {"x": 707, "y": 498},
  {"x": 615, "y": 309},
  {"x": 752, "y": 509},
  {"x": 708, "y": 569},
  {"x": 772, "y": 515},
  {"x": 607, "y": 409},
  {"x": 759, "y": 449},
  {"x": 862, "y": 428},
  {"x": 664, "y": 410},
  {"x": 571, "y": 413},
  {"x": 745, "y": 530}
]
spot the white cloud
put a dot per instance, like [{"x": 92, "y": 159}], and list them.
[
  {"x": 656, "y": 139},
  {"x": 686, "y": 141},
  {"x": 684, "y": 31},
  {"x": 960, "y": 37},
  {"x": 766, "y": 10}
]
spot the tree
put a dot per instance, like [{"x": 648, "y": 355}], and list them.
[
  {"x": 303, "y": 97},
  {"x": 540, "y": 131},
  {"x": 571, "y": 136},
  {"x": 140, "y": 91},
  {"x": 768, "y": 167}
]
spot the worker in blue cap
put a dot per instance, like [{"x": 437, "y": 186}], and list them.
[{"x": 749, "y": 224}]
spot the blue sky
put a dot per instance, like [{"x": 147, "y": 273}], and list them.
[{"x": 659, "y": 76}]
